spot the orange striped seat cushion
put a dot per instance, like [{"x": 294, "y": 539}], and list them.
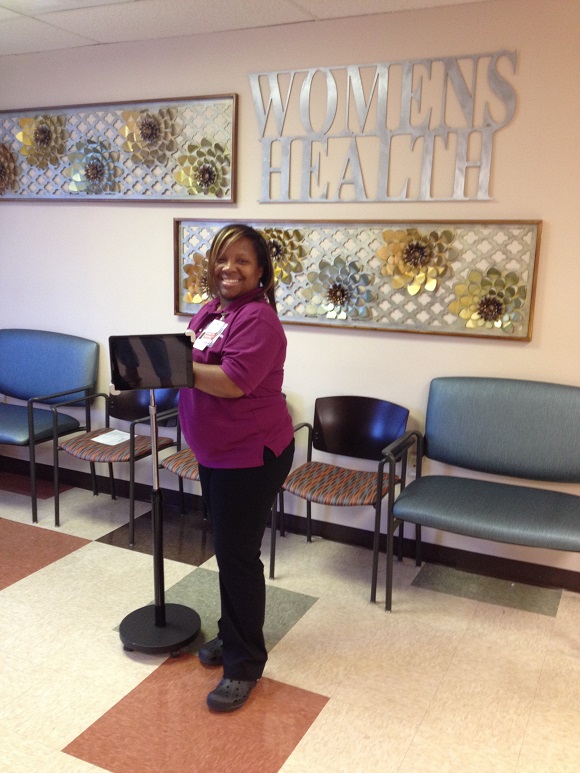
[
  {"x": 183, "y": 463},
  {"x": 87, "y": 447},
  {"x": 327, "y": 484}
]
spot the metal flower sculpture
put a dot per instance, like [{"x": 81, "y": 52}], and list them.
[
  {"x": 286, "y": 251},
  {"x": 8, "y": 173},
  {"x": 339, "y": 289},
  {"x": 150, "y": 136},
  {"x": 490, "y": 300},
  {"x": 205, "y": 170},
  {"x": 416, "y": 261},
  {"x": 93, "y": 168},
  {"x": 43, "y": 139},
  {"x": 195, "y": 283}
]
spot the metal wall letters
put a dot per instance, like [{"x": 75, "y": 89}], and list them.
[{"x": 335, "y": 133}]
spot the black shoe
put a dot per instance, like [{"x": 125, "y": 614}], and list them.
[
  {"x": 230, "y": 694},
  {"x": 212, "y": 652}
]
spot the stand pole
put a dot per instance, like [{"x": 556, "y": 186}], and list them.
[{"x": 160, "y": 627}]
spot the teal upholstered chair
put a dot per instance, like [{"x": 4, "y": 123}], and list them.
[{"x": 41, "y": 369}]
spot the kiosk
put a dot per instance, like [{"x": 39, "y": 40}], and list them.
[{"x": 154, "y": 362}]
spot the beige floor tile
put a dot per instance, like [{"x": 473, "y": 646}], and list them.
[
  {"x": 24, "y": 755},
  {"x": 318, "y": 651},
  {"x": 464, "y": 712},
  {"x": 429, "y": 754},
  {"x": 497, "y": 665},
  {"x": 560, "y": 682},
  {"x": 347, "y": 739},
  {"x": 566, "y": 632},
  {"x": 515, "y": 629},
  {"x": 96, "y": 583},
  {"x": 84, "y": 515},
  {"x": 552, "y": 741},
  {"x": 61, "y": 706}
]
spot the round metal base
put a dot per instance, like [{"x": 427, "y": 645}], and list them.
[{"x": 139, "y": 632}]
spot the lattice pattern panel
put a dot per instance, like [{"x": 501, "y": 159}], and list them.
[
  {"x": 166, "y": 150},
  {"x": 455, "y": 278}
]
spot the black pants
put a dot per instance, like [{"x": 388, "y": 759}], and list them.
[{"x": 239, "y": 502}]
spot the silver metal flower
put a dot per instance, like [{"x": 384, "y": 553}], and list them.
[
  {"x": 340, "y": 289},
  {"x": 93, "y": 168}
]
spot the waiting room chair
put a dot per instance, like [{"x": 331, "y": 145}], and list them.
[
  {"x": 356, "y": 427},
  {"x": 41, "y": 368},
  {"x": 132, "y": 408},
  {"x": 183, "y": 464}
]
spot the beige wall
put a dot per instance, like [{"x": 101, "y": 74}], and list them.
[{"x": 101, "y": 268}]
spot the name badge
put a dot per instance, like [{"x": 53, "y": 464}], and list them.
[{"x": 210, "y": 335}]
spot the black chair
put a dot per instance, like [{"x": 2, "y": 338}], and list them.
[
  {"x": 351, "y": 426},
  {"x": 132, "y": 408}
]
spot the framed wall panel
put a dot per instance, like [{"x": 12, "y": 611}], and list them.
[
  {"x": 461, "y": 278},
  {"x": 164, "y": 150}
]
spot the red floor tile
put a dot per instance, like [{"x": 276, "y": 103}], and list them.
[
  {"x": 27, "y": 548},
  {"x": 164, "y": 724},
  {"x": 20, "y": 484}
]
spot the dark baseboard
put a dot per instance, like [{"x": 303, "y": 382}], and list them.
[{"x": 464, "y": 560}]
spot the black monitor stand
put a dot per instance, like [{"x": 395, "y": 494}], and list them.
[{"x": 159, "y": 627}]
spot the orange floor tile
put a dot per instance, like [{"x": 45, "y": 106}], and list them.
[
  {"x": 25, "y": 550},
  {"x": 168, "y": 711}
]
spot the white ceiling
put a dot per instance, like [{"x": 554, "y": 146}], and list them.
[{"x": 28, "y": 26}]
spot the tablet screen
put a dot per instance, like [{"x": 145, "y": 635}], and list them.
[{"x": 151, "y": 361}]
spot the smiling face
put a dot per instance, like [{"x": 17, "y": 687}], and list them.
[{"x": 236, "y": 271}]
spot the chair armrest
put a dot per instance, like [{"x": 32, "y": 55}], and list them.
[
  {"x": 302, "y": 425},
  {"x": 88, "y": 389},
  {"x": 169, "y": 414},
  {"x": 398, "y": 451},
  {"x": 43, "y": 398},
  {"x": 400, "y": 447},
  {"x": 90, "y": 397},
  {"x": 86, "y": 401}
]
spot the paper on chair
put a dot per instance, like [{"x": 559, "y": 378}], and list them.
[{"x": 113, "y": 438}]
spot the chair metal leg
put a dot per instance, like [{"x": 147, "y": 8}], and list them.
[
  {"x": 181, "y": 494},
  {"x": 273, "y": 527},
  {"x": 418, "y": 544},
  {"x": 56, "y": 487},
  {"x": 400, "y": 540},
  {"x": 308, "y": 521},
  {"x": 389, "y": 584},
  {"x": 281, "y": 518},
  {"x": 32, "y": 464},
  {"x": 131, "y": 504},
  {"x": 112, "y": 482},
  {"x": 94, "y": 479},
  {"x": 376, "y": 540}
]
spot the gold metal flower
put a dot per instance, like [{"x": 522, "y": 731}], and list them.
[
  {"x": 490, "y": 300},
  {"x": 150, "y": 136},
  {"x": 93, "y": 168},
  {"x": 195, "y": 283},
  {"x": 416, "y": 261},
  {"x": 340, "y": 289},
  {"x": 205, "y": 170},
  {"x": 43, "y": 139},
  {"x": 286, "y": 251},
  {"x": 8, "y": 172}
]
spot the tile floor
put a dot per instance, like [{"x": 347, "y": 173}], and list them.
[{"x": 466, "y": 674}]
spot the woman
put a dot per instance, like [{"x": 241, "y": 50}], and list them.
[{"x": 236, "y": 422}]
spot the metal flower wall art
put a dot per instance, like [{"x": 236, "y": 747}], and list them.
[
  {"x": 456, "y": 278},
  {"x": 168, "y": 150}
]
